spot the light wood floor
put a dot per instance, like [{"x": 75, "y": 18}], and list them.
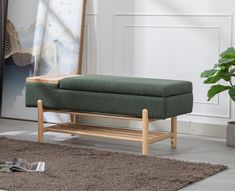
[{"x": 190, "y": 148}]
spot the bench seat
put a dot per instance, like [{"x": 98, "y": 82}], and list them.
[{"x": 114, "y": 95}]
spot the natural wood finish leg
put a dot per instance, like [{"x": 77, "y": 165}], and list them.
[
  {"x": 73, "y": 121},
  {"x": 145, "y": 132},
  {"x": 40, "y": 121},
  {"x": 73, "y": 118},
  {"x": 174, "y": 132}
]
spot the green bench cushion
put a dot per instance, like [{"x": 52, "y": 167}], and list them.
[
  {"x": 126, "y": 85},
  {"x": 111, "y": 103}
]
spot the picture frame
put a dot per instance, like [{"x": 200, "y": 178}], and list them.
[
  {"x": 3, "y": 14},
  {"x": 43, "y": 37}
]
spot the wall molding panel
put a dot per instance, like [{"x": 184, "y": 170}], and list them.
[
  {"x": 129, "y": 29},
  {"x": 90, "y": 61},
  {"x": 175, "y": 40}
]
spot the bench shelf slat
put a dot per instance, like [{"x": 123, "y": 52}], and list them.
[{"x": 106, "y": 132}]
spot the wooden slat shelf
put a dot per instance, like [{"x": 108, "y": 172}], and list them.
[{"x": 106, "y": 132}]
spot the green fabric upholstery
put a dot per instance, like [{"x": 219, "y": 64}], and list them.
[
  {"x": 101, "y": 100},
  {"x": 126, "y": 85}
]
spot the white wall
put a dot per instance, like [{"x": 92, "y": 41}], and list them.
[{"x": 164, "y": 39}]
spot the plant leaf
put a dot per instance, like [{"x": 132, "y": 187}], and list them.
[
  {"x": 232, "y": 93},
  {"x": 229, "y": 53},
  {"x": 216, "y": 89},
  {"x": 213, "y": 79},
  {"x": 208, "y": 73},
  {"x": 226, "y": 77},
  {"x": 226, "y": 61},
  {"x": 219, "y": 75}
]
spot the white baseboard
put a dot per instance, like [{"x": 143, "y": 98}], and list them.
[{"x": 192, "y": 128}]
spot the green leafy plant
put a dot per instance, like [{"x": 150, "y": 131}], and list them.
[{"x": 223, "y": 70}]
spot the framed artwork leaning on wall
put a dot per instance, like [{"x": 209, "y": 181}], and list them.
[
  {"x": 43, "y": 37},
  {"x": 3, "y": 13}
]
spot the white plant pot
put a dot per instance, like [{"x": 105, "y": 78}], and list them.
[{"x": 230, "y": 134}]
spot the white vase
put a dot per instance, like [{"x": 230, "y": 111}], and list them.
[{"x": 230, "y": 134}]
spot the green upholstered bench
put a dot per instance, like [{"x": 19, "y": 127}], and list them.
[{"x": 142, "y": 99}]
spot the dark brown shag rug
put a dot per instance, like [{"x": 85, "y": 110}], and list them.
[{"x": 72, "y": 169}]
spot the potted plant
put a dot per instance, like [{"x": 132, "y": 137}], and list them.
[{"x": 223, "y": 70}]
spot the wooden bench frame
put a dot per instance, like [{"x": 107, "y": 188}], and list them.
[{"x": 74, "y": 128}]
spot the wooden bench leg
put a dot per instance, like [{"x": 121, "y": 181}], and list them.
[
  {"x": 73, "y": 121},
  {"x": 173, "y": 132},
  {"x": 145, "y": 132},
  {"x": 73, "y": 118},
  {"x": 40, "y": 121}
]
